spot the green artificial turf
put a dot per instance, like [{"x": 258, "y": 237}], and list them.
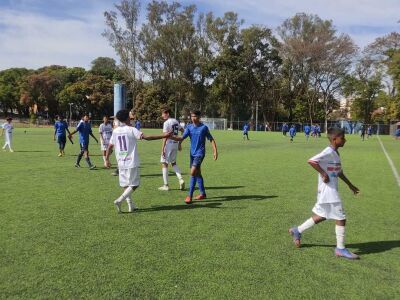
[{"x": 61, "y": 237}]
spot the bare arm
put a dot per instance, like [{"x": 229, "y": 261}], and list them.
[
  {"x": 215, "y": 151},
  {"x": 156, "y": 137},
  {"x": 163, "y": 147},
  {"x": 347, "y": 181},
  {"x": 94, "y": 137},
  {"x": 318, "y": 168}
]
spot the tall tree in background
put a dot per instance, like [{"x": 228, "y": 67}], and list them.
[{"x": 124, "y": 39}]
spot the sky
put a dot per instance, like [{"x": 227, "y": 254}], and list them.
[{"x": 37, "y": 33}]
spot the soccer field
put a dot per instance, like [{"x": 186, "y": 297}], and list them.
[{"x": 61, "y": 236}]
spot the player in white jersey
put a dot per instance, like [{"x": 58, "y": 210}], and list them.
[
  {"x": 105, "y": 130},
  {"x": 8, "y": 129},
  {"x": 124, "y": 141},
  {"x": 170, "y": 149},
  {"x": 329, "y": 205}
]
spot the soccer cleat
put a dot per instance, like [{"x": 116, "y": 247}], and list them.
[
  {"x": 93, "y": 167},
  {"x": 115, "y": 173},
  {"x": 181, "y": 184},
  {"x": 201, "y": 197},
  {"x": 11, "y": 150},
  {"x": 77, "y": 165},
  {"x": 118, "y": 206},
  {"x": 294, "y": 232},
  {"x": 345, "y": 253},
  {"x": 164, "y": 188},
  {"x": 59, "y": 154},
  {"x": 132, "y": 207},
  {"x": 188, "y": 200}
]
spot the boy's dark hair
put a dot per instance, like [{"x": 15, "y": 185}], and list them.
[
  {"x": 105, "y": 116},
  {"x": 197, "y": 113},
  {"x": 166, "y": 110},
  {"x": 122, "y": 115},
  {"x": 335, "y": 132},
  {"x": 9, "y": 119}
]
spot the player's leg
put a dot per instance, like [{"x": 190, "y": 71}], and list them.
[
  {"x": 87, "y": 158},
  {"x": 200, "y": 183},
  {"x": 129, "y": 179},
  {"x": 296, "y": 232},
  {"x": 80, "y": 155},
  {"x": 172, "y": 160},
  {"x": 164, "y": 169},
  {"x": 193, "y": 179},
  {"x": 64, "y": 142}
]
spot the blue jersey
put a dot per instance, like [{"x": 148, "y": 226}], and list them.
[
  {"x": 245, "y": 128},
  {"x": 292, "y": 131},
  {"x": 397, "y": 134},
  {"x": 307, "y": 129},
  {"x": 285, "y": 128},
  {"x": 60, "y": 127},
  {"x": 137, "y": 125},
  {"x": 84, "y": 130},
  {"x": 198, "y": 135}
]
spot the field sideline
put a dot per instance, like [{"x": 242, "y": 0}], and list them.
[{"x": 61, "y": 237}]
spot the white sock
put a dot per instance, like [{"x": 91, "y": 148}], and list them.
[
  {"x": 125, "y": 194},
  {"x": 165, "y": 175},
  {"x": 340, "y": 236},
  {"x": 104, "y": 158},
  {"x": 177, "y": 171},
  {"x": 306, "y": 225},
  {"x": 131, "y": 204}
]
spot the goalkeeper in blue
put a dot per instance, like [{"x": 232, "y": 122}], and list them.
[{"x": 198, "y": 133}]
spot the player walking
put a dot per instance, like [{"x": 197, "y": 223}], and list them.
[
  {"x": 8, "y": 129},
  {"x": 169, "y": 150},
  {"x": 329, "y": 205},
  {"x": 198, "y": 132},
  {"x": 105, "y": 130},
  {"x": 85, "y": 129}
]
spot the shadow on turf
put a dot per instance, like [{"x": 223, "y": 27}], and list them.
[
  {"x": 33, "y": 151},
  {"x": 178, "y": 207},
  {"x": 225, "y": 187},
  {"x": 364, "y": 248},
  {"x": 238, "y": 198}
]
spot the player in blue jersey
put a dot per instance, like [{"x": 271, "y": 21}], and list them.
[
  {"x": 85, "y": 129},
  {"x": 138, "y": 125},
  {"x": 285, "y": 129},
  {"x": 369, "y": 132},
  {"x": 292, "y": 133},
  {"x": 246, "y": 128},
  {"x": 307, "y": 130},
  {"x": 198, "y": 133},
  {"x": 60, "y": 128}
]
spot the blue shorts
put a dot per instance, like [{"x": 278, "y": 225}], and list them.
[
  {"x": 61, "y": 139},
  {"x": 84, "y": 146},
  {"x": 195, "y": 161}
]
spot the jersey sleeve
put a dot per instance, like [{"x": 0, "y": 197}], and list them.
[
  {"x": 101, "y": 128},
  {"x": 137, "y": 134},
  {"x": 320, "y": 157},
  {"x": 165, "y": 127},
  {"x": 79, "y": 127},
  {"x": 186, "y": 133}
]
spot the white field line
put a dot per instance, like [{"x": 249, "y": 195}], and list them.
[{"x": 394, "y": 170}]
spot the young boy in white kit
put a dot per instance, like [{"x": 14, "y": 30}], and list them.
[
  {"x": 124, "y": 139},
  {"x": 8, "y": 129},
  {"x": 329, "y": 205}
]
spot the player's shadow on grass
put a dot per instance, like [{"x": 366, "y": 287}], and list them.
[
  {"x": 365, "y": 248},
  {"x": 225, "y": 187},
  {"x": 179, "y": 207},
  {"x": 158, "y": 175},
  {"x": 239, "y": 198},
  {"x": 30, "y": 151}
]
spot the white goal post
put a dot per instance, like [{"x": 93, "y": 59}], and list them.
[{"x": 215, "y": 123}]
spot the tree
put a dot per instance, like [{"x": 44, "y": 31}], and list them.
[
  {"x": 106, "y": 67},
  {"x": 124, "y": 39}
]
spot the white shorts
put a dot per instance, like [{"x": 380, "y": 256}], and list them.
[
  {"x": 171, "y": 151},
  {"x": 330, "y": 211},
  {"x": 129, "y": 177},
  {"x": 103, "y": 147}
]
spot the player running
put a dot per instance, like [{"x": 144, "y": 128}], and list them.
[
  {"x": 124, "y": 139},
  {"x": 85, "y": 129},
  {"x": 198, "y": 132},
  {"x": 246, "y": 129},
  {"x": 170, "y": 149},
  {"x": 60, "y": 128},
  {"x": 329, "y": 205},
  {"x": 8, "y": 129},
  {"x": 105, "y": 131}
]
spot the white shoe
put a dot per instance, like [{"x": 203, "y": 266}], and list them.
[
  {"x": 132, "y": 207},
  {"x": 164, "y": 188},
  {"x": 11, "y": 150},
  {"x": 181, "y": 184},
  {"x": 118, "y": 206}
]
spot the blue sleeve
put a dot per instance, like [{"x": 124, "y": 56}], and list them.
[
  {"x": 79, "y": 127},
  {"x": 66, "y": 125},
  {"x": 208, "y": 135},
  {"x": 55, "y": 126},
  {"x": 186, "y": 133}
]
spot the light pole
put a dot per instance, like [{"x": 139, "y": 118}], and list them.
[{"x": 70, "y": 113}]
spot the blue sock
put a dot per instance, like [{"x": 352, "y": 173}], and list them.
[
  {"x": 192, "y": 185},
  {"x": 200, "y": 182}
]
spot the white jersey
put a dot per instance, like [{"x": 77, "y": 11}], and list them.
[
  {"x": 124, "y": 138},
  {"x": 105, "y": 131},
  {"x": 172, "y": 125},
  {"x": 329, "y": 161},
  {"x": 8, "y": 128}
]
